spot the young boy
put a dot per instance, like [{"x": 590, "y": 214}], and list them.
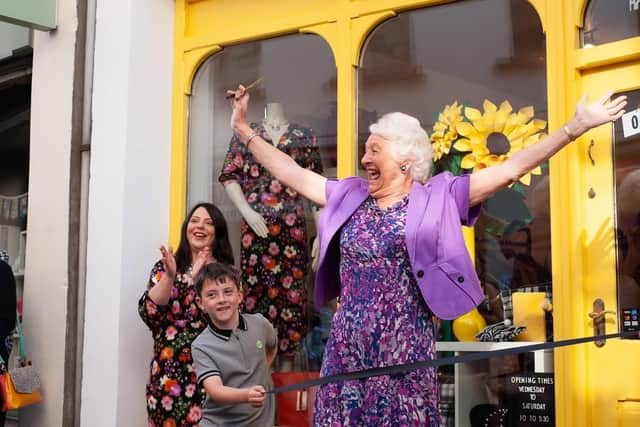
[{"x": 233, "y": 354}]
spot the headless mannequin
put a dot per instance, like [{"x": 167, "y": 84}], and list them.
[
  {"x": 275, "y": 122},
  {"x": 275, "y": 125}
]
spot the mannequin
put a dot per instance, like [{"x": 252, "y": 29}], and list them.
[
  {"x": 274, "y": 254},
  {"x": 275, "y": 122}
]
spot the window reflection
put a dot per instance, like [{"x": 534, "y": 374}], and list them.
[
  {"x": 627, "y": 179},
  {"x": 270, "y": 225},
  {"x": 432, "y": 64},
  {"x": 424, "y": 61},
  {"x": 606, "y": 21}
]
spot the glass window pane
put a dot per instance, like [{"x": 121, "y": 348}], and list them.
[
  {"x": 424, "y": 61},
  {"x": 481, "y": 62},
  {"x": 294, "y": 107},
  {"x": 610, "y": 21},
  {"x": 627, "y": 179},
  {"x": 512, "y": 390}
]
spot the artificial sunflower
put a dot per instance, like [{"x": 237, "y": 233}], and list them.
[
  {"x": 444, "y": 130},
  {"x": 492, "y": 136}
]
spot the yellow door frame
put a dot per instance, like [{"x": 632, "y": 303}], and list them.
[{"x": 570, "y": 184}]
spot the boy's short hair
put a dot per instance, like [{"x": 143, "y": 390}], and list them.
[{"x": 214, "y": 271}]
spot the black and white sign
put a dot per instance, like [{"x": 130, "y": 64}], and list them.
[
  {"x": 631, "y": 123},
  {"x": 530, "y": 399}
]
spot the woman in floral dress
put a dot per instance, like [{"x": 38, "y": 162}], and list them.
[
  {"x": 168, "y": 307},
  {"x": 274, "y": 267},
  {"x": 392, "y": 249}
]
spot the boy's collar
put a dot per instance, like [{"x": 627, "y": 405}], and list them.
[{"x": 225, "y": 334}]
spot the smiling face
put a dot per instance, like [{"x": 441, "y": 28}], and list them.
[
  {"x": 385, "y": 178},
  {"x": 200, "y": 230},
  {"x": 220, "y": 299}
]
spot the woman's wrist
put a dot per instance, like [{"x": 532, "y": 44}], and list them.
[
  {"x": 574, "y": 128},
  {"x": 243, "y": 132}
]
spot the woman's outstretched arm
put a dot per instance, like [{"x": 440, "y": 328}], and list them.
[
  {"x": 486, "y": 182},
  {"x": 306, "y": 182}
]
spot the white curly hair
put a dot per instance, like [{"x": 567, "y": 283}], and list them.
[{"x": 408, "y": 141}]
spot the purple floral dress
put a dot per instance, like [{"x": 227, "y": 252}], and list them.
[
  {"x": 173, "y": 396},
  {"x": 274, "y": 267},
  {"x": 382, "y": 320}
]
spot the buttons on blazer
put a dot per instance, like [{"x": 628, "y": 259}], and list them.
[
  {"x": 460, "y": 279},
  {"x": 420, "y": 274}
]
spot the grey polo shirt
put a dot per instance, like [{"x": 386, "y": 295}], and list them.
[{"x": 239, "y": 358}]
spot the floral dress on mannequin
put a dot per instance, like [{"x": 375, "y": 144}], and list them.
[{"x": 274, "y": 267}]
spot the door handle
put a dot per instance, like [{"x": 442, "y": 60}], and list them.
[
  {"x": 591, "y": 145},
  {"x": 598, "y": 317}
]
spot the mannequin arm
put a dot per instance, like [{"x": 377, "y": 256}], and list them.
[
  {"x": 315, "y": 248},
  {"x": 253, "y": 218}
]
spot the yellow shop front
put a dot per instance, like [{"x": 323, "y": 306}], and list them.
[{"x": 558, "y": 252}]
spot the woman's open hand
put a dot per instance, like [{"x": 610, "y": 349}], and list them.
[
  {"x": 203, "y": 257},
  {"x": 169, "y": 261},
  {"x": 588, "y": 116}
]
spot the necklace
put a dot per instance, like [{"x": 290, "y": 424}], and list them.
[{"x": 276, "y": 127}]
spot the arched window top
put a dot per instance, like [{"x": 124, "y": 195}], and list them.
[{"x": 607, "y": 21}]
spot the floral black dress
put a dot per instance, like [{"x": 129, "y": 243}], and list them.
[
  {"x": 274, "y": 268},
  {"x": 173, "y": 396}
]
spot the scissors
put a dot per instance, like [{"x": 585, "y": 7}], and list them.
[{"x": 247, "y": 88}]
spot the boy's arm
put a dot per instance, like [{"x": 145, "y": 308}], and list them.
[
  {"x": 271, "y": 353},
  {"x": 208, "y": 374},
  {"x": 271, "y": 349},
  {"x": 220, "y": 393}
]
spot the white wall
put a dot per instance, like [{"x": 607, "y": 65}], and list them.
[
  {"x": 12, "y": 37},
  {"x": 46, "y": 272},
  {"x": 128, "y": 202}
]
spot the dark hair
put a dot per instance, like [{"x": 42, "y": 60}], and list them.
[
  {"x": 215, "y": 271},
  {"x": 220, "y": 249}
]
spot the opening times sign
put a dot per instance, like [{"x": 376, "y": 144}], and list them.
[{"x": 530, "y": 399}]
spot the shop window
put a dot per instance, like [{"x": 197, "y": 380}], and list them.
[
  {"x": 294, "y": 107},
  {"x": 626, "y": 150},
  {"x": 607, "y": 21},
  {"x": 481, "y": 63}
]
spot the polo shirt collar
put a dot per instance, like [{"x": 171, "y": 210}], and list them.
[{"x": 225, "y": 334}]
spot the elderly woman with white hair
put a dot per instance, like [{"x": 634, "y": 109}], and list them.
[{"x": 391, "y": 247}]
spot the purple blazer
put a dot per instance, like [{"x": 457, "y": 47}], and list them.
[{"x": 436, "y": 212}]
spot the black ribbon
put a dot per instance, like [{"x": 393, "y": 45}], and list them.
[{"x": 469, "y": 357}]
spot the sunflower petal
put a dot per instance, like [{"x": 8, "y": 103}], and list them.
[
  {"x": 539, "y": 124},
  {"x": 468, "y": 162},
  {"x": 525, "y": 179},
  {"x": 505, "y": 107},
  {"x": 472, "y": 113},
  {"x": 526, "y": 111},
  {"x": 463, "y": 145},
  {"x": 489, "y": 106},
  {"x": 465, "y": 129}
]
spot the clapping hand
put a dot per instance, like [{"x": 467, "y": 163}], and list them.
[
  {"x": 201, "y": 260},
  {"x": 588, "y": 116},
  {"x": 169, "y": 261}
]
